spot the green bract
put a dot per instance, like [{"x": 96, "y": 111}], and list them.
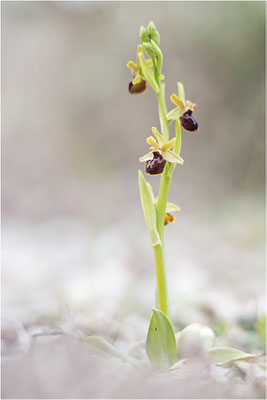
[
  {"x": 148, "y": 74},
  {"x": 149, "y": 210}
]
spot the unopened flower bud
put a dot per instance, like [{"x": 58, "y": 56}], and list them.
[
  {"x": 144, "y": 37},
  {"x": 149, "y": 49},
  {"x": 153, "y": 33}
]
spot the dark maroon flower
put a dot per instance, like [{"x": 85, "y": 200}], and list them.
[
  {"x": 188, "y": 122},
  {"x": 156, "y": 165},
  {"x": 138, "y": 88}
]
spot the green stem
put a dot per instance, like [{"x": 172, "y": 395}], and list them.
[
  {"x": 161, "y": 278},
  {"x": 162, "y": 113},
  {"x": 162, "y": 202},
  {"x": 159, "y": 252}
]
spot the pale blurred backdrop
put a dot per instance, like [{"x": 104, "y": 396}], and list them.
[{"x": 75, "y": 245}]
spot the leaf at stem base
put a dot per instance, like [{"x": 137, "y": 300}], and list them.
[{"x": 160, "y": 343}]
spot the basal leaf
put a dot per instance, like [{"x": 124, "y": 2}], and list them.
[
  {"x": 103, "y": 347},
  {"x": 160, "y": 343},
  {"x": 220, "y": 355}
]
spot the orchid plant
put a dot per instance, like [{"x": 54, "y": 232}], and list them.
[
  {"x": 164, "y": 349},
  {"x": 164, "y": 152}
]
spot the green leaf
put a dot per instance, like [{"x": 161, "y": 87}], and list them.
[
  {"x": 103, "y": 347},
  {"x": 148, "y": 73},
  {"x": 220, "y": 355},
  {"x": 174, "y": 114},
  {"x": 149, "y": 210},
  {"x": 160, "y": 342},
  {"x": 194, "y": 334},
  {"x": 151, "y": 191},
  {"x": 146, "y": 157}
]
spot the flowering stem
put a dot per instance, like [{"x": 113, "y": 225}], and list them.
[
  {"x": 159, "y": 253},
  {"x": 161, "y": 278},
  {"x": 163, "y": 112}
]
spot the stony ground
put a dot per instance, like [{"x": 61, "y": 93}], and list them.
[{"x": 102, "y": 283}]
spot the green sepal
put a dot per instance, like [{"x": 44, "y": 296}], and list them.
[
  {"x": 181, "y": 93},
  {"x": 174, "y": 114},
  {"x": 221, "y": 355},
  {"x": 160, "y": 342},
  {"x": 146, "y": 157},
  {"x": 171, "y": 207},
  {"x": 148, "y": 73},
  {"x": 173, "y": 157},
  {"x": 149, "y": 210}
]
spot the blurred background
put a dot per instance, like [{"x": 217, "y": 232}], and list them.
[{"x": 76, "y": 251}]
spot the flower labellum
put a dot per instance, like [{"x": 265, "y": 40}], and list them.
[
  {"x": 156, "y": 165},
  {"x": 188, "y": 122},
  {"x": 138, "y": 88},
  {"x": 168, "y": 219}
]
